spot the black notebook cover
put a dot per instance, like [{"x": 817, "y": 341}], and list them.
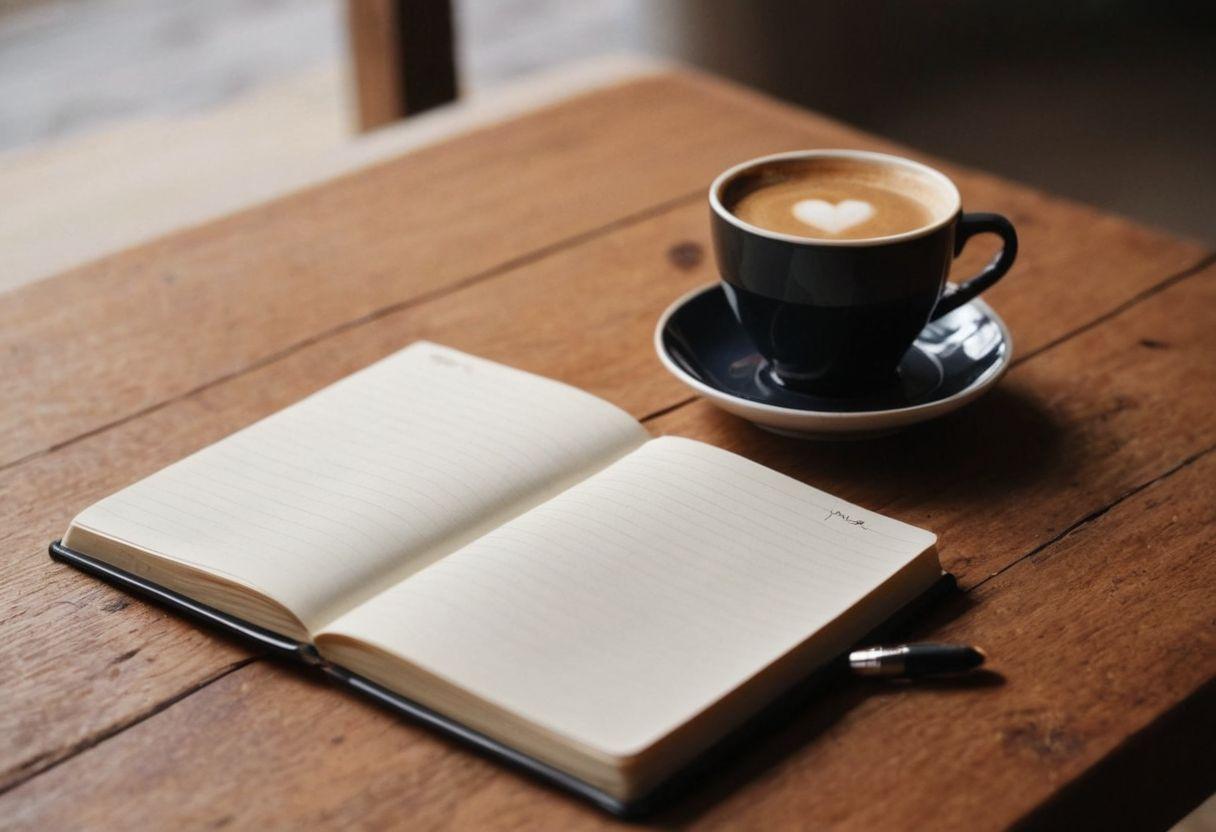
[{"x": 284, "y": 647}]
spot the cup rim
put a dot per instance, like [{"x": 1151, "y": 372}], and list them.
[{"x": 838, "y": 153}]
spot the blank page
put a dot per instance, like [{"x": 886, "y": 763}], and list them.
[
  {"x": 623, "y": 607},
  {"x": 345, "y": 492}
]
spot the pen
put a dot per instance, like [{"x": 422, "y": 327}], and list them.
[{"x": 911, "y": 661}]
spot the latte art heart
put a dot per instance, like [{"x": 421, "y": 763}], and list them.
[{"x": 832, "y": 218}]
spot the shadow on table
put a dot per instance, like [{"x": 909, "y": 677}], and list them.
[
  {"x": 992, "y": 452},
  {"x": 1003, "y": 444},
  {"x": 796, "y": 724}
]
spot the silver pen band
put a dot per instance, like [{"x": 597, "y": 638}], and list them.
[{"x": 879, "y": 661}]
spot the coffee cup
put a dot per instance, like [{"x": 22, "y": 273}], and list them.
[{"x": 833, "y": 261}]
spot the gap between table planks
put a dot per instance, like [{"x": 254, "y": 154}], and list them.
[
  {"x": 1129, "y": 263},
  {"x": 248, "y": 287},
  {"x": 1116, "y": 262},
  {"x": 50, "y": 489},
  {"x": 253, "y": 286},
  {"x": 269, "y": 746},
  {"x": 1148, "y": 371}
]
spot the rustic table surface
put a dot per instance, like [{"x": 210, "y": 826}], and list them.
[{"x": 1075, "y": 503}]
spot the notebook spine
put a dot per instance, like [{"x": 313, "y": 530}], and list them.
[
  {"x": 303, "y": 653},
  {"x": 272, "y": 642},
  {"x": 306, "y": 654},
  {"x": 335, "y": 673}
]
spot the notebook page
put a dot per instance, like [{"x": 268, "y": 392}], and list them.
[
  {"x": 620, "y": 608},
  {"x": 317, "y": 505}
]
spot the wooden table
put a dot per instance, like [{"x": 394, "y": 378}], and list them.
[{"x": 1075, "y": 503}]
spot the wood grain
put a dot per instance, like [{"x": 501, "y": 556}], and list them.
[
  {"x": 1067, "y": 432},
  {"x": 988, "y": 506},
  {"x": 266, "y": 746},
  {"x": 602, "y": 346},
  {"x": 162, "y": 319},
  {"x": 1067, "y": 630},
  {"x": 234, "y": 293},
  {"x": 1116, "y": 392}
]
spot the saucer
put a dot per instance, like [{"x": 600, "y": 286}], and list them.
[{"x": 954, "y": 360}]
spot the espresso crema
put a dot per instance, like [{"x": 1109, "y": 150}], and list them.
[{"x": 836, "y": 198}]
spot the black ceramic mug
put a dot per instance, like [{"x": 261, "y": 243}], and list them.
[{"x": 834, "y": 316}]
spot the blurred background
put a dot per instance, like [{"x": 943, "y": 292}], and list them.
[{"x": 121, "y": 119}]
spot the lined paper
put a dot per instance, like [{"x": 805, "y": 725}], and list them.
[
  {"x": 352, "y": 488},
  {"x": 617, "y": 610}
]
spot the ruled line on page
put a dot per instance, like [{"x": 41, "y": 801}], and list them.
[{"x": 320, "y": 497}]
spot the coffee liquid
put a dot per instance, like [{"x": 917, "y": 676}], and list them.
[{"x": 834, "y": 199}]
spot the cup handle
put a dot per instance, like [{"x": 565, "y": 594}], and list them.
[{"x": 968, "y": 226}]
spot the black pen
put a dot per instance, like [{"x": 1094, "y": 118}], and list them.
[{"x": 912, "y": 661}]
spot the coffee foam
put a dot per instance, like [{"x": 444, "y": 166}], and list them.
[{"x": 837, "y": 198}]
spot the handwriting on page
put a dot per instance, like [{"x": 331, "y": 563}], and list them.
[
  {"x": 445, "y": 360},
  {"x": 861, "y": 524}
]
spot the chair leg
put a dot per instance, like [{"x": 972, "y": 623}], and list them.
[{"x": 403, "y": 53}]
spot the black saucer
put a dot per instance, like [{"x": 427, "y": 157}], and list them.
[{"x": 953, "y": 360}]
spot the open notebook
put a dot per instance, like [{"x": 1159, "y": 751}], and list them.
[{"x": 518, "y": 558}]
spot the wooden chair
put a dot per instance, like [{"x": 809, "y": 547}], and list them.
[{"x": 404, "y": 57}]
